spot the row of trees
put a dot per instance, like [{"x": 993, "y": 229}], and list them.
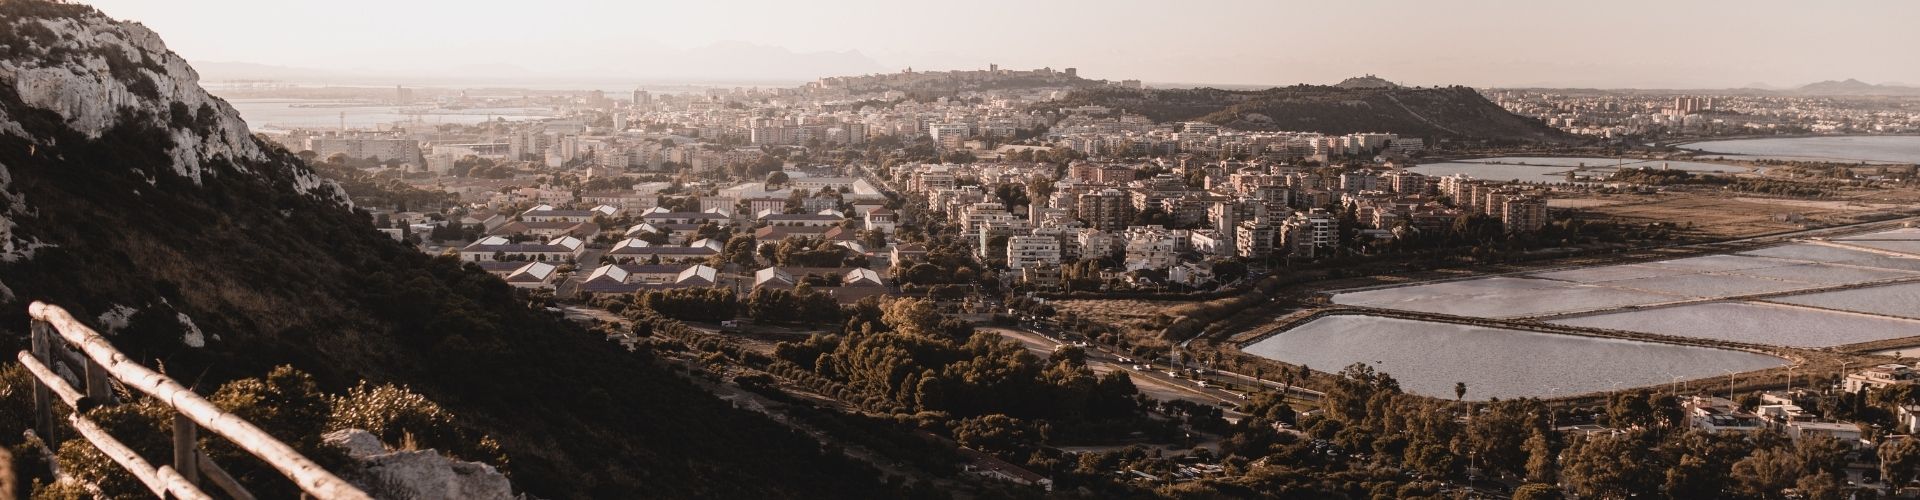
[
  {"x": 904, "y": 355},
  {"x": 801, "y": 305},
  {"x": 1370, "y": 439}
]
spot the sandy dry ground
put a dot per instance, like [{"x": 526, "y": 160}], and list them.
[
  {"x": 1582, "y": 202},
  {"x": 1726, "y": 217}
]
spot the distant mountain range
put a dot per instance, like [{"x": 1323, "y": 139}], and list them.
[
  {"x": 718, "y": 63},
  {"x": 1854, "y": 87}
]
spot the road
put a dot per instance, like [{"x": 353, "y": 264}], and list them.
[{"x": 1155, "y": 384}]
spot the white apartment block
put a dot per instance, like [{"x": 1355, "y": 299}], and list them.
[
  {"x": 1253, "y": 239},
  {"x": 1310, "y": 234},
  {"x": 1031, "y": 251},
  {"x": 1153, "y": 247},
  {"x": 1095, "y": 244}
]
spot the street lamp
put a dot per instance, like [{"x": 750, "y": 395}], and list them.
[
  {"x": 1729, "y": 383},
  {"x": 1553, "y": 417},
  {"x": 1472, "y": 463}
]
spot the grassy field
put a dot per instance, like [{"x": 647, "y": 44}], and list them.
[{"x": 1123, "y": 313}]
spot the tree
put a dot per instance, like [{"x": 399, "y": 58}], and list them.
[
  {"x": 997, "y": 433},
  {"x": 1542, "y": 465},
  {"x": 1011, "y": 195},
  {"x": 1039, "y": 188},
  {"x": 1766, "y": 472},
  {"x": 1821, "y": 486},
  {"x": 875, "y": 239},
  {"x": 1630, "y": 409},
  {"x": 692, "y": 304},
  {"x": 1229, "y": 270},
  {"x": 1537, "y": 491},
  {"x": 776, "y": 179},
  {"x": 1822, "y": 453},
  {"x": 768, "y": 305},
  {"x": 912, "y": 317},
  {"x": 1898, "y": 461},
  {"x": 1693, "y": 478},
  {"x": 739, "y": 251},
  {"x": 1622, "y": 466}
]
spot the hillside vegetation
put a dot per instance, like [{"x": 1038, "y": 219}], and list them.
[{"x": 1434, "y": 113}]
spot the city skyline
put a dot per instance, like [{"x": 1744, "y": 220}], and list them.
[{"x": 1712, "y": 44}]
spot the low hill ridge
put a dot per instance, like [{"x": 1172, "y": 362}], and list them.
[{"x": 1459, "y": 113}]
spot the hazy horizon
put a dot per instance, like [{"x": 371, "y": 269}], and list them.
[{"x": 1626, "y": 44}]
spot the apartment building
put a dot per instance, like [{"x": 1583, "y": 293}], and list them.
[{"x": 1031, "y": 251}]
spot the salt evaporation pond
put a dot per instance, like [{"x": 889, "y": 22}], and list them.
[
  {"x": 1754, "y": 323},
  {"x": 1428, "y": 358},
  {"x": 1645, "y": 297},
  {"x": 1708, "y": 286},
  {"x": 1905, "y": 233},
  {"x": 1828, "y": 274},
  {"x": 1502, "y": 297},
  {"x": 1898, "y": 149},
  {"x": 1901, "y": 300},
  {"x": 1836, "y": 255}
]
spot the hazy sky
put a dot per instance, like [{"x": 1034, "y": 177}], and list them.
[{"x": 1612, "y": 43}]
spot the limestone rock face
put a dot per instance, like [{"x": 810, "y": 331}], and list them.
[
  {"x": 106, "y": 67},
  {"x": 419, "y": 473},
  {"x": 97, "y": 73}
]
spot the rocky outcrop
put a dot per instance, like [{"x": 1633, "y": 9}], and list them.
[
  {"x": 389, "y": 473},
  {"x": 95, "y": 72}
]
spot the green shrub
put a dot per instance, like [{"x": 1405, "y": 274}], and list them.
[{"x": 398, "y": 415}]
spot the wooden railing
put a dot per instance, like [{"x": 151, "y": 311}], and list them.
[{"x": 54, "y": 335}]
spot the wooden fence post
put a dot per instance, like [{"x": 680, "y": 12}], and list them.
[
  {"x": 186, "y": 447},
  {"x": 99, "y": 389},
  {"x": 43, "y": 395},
  {"x": 191, "y": 412}
]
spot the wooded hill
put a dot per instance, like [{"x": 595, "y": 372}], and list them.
[{"x": 1458, "y": 113}]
